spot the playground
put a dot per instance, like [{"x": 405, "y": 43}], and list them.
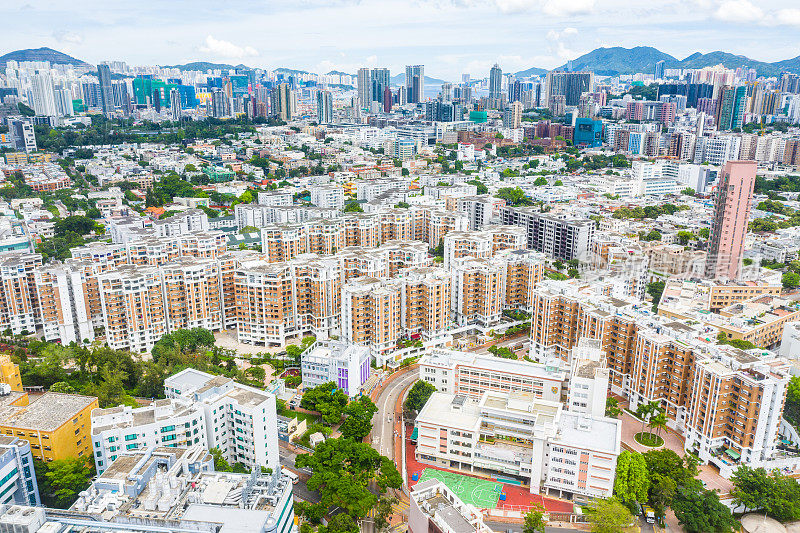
[{"x": 482, "y": 493}]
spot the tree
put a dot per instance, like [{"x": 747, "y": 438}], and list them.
[
  {"x": 418, "y": 396},
  {"x": 65, "y": 479},
  {"x": 700, "y": 511},
  {"x": 632, "y": 481},
  {"x": 704, "y": 233},
  {"x": 481, "y": 188},
  {"x": 662, "y": 490},
  {"x": 342, "y": 523},
  {"x": 353, "y": 207},
  {"x": 220, "y": 463},
  {"x": 541, "y": 180},
  {"x": 383, "y": 511},
  {"x": 658, "y": 422},
  {"x": 612, "y": 407},
  {"x": 62, "y": 386},
  {"x": 688, "y": 191},
  {"x": 248, "y": 229},
  {"x": 609, "y": 516},
  {"x": 327, "y": 400},
  {"x": 773, "y": 493},
  {"x": 513, "y": 196},
  {"x": 655, "y": 289},
  {"x": 685, "y": 236},
  {"x": 534, "y": 522},
  {"x": 790, "y": 280},
  {"x": 342, "y": 469},
  {"x": 358, "y": 421}
]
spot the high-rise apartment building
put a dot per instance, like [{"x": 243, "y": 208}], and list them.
[
  {"x": 495, "y": 82},
  {"x": 282, "y": 102},
  {"x": 219, "y": 104},
  {"x": 570, "y": 85},
  {"x": 380, "y": 80},
  {"x": 415, "y": 83},
  {"x": 19, "y": 300},
  {"x": 106, "y": 93},
  {"x": 731, "y": 104},
  {"x": 731, "y": 213},
  {"x": 43, "y": 98},
  {"x": 175, "y": 105},
  {"x": 512, "y": 115},
  {"x": 560, "y": 238},
  {"x": 324, "y": 107},
  {"x": 658, "y": 71},
  {"x": 239, "y": 420},
  {"x": 706, "y": 389},
  {"x": 364, "y": 87}
]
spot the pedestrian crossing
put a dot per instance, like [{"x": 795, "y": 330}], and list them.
[{"x": 400, "y": 507}]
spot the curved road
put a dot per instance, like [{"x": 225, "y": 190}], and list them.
[{"x": 382, "y": 438}]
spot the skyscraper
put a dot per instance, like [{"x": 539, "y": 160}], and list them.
[
  {"x": 42, "y": 97},
  {"x": 658, "y": 72},
  {"x": 512, "y": 115},
  {"x": 324, "y": 107},
  {"x": 415, "y": 83},
  {"x": 571, "y": 85},
  {"x": 175, "y": 104},
  {"x": 282, "y": 103},
  {"x": 106, "y": 92},
  {"x": 219, "y": 104},
  {"x": 495, "y": 82},
  {"x": 364, "y": 87},
  {"x": 380, "y": 81},
  {"x": 731, "y": 213},
  {"x": 388, "y": 99}
]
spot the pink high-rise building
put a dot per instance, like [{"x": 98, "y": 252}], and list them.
[{"x": 731, "y": 213}]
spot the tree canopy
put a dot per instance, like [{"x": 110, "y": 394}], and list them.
[
  {"x": 773, "y": 493},
  {"x": 342, "y": 469},
  {"x": 632, "y": 480},
  {"x": 326, "y": 399},
  {"x": 418, "y": 395}
]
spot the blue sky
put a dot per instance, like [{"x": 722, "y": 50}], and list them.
[{"x": 450, "y": 37}]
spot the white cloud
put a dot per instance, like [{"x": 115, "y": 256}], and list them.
[
  {"x": 64, "y": 36},
  {"x": 739, "y": 11},
  {"x": 516, "y": 6},
  {"x": 561, "y": 8},
  {"x": 790, "y": 17},
  {"x": 219, "y": 48},
  {"x": 556, "y": 8}
]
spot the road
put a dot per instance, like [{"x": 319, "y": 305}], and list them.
[
  {"x": 299, "y": 490},
  {"x": 383, "y": 421}
]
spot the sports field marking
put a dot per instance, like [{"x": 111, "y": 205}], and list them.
[{"x": 482, "y": 493}]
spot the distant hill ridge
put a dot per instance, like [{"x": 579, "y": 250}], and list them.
[
  {"x": 617, "y": 60},
  {"x": 42, "y": 54}
]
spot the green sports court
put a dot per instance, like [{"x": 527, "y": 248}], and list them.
[{"x": 482, "y": 493}]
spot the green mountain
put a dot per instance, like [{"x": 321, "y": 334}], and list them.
[
  {"x": 205, "y": 65},
  {"x": 617, "y": 60},
  {"x": 42, "y": 54},
  {"x": 400, "y": 79},
  {"x": 533, "y": 71}
]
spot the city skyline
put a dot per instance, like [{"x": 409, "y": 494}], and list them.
[{"x": 348, "y": 35}]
